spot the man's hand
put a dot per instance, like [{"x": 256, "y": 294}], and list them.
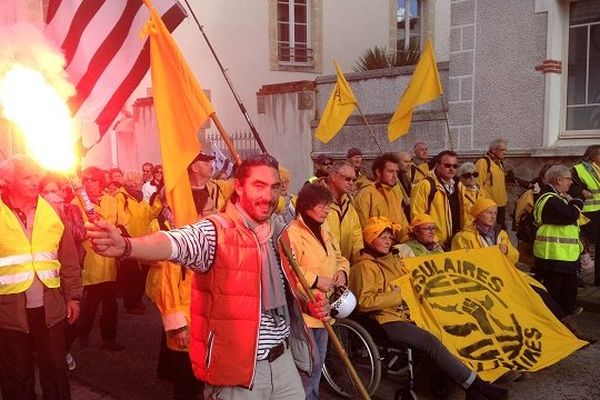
[
  {"x": 319, "y": 308},
  {"x": 106, "y": 238},
  {"x": 72, "y": 311},
  {"x": 339, "y": 279}
]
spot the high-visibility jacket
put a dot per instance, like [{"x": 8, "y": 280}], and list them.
[
  {"x": 21, "y": 259},
  {"x": 134, "y": 215},
  {"x": 492, "y": 180},
  {"x": 592, "y": 182},
  {"x": 96, "y": 268},
  {"x": 555, "y": 242}
]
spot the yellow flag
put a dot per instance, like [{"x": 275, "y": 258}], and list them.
[
  {"x": 181, "y": 108},
  {"x": 340, "y": 105},
  {"x": 424, "y": 87},
  {"x": 484, "y": 311}
]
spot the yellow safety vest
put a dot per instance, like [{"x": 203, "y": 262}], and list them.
[
  {"x": 555, "y": 242},
  {"x": 592, "y": 184},
  {"x": 22, "y": 259}
]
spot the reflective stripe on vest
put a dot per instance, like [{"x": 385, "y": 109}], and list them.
[
  {"x": 555, "y": 242},
  {"x": 592, "y": 184},
  {"x": 27, "y": 258}
]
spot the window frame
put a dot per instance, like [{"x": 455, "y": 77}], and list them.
[
  {"x": 579, "y": 133},
  {"x": 419, "y": 17},
  {"x": 291, "y": 32}
]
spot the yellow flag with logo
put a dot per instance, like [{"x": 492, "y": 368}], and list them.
[
  {"x": 481, "y": 308},
  {"x": 340, "y": 105},
  {"x": 181, "y": 108},
  {"x": 424, "y": 86}
]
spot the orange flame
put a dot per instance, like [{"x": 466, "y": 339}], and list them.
[{"x": 42, "y": 115}]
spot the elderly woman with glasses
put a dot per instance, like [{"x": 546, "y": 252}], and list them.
[
  {"x": 372, "y": 280},
  {"x": 321, "y": 263},
  {"x": 422, "y": 233},
  {"x": 470, "y": 191}
]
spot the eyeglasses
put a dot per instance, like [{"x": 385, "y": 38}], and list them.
[
  {"x": 446, "y": 165},
  {"x": 346, "y": 178},
  {"x": 470, "y": 175},
  {"x": 146, "y": 171},
  {"x": 427, "y": 228},
  {"x": 158, "y": 172}
]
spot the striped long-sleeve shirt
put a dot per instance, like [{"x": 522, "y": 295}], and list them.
[{"x": 195, "y": 246}]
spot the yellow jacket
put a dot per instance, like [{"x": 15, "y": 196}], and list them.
[
  {"x": 98, "y": 269},
  {"x": 492, "y": 183},
  {"x": 362, "y": 180},
  {"x": 524, "y": 206},
  {"x": 379, "y": 200},
  {"x": 468, "y": 197},
  {"x": 371, "y": 282},
  {"x": 345, "y": 228},
  {"x": 135, "y": 216},
  {"x": 219, "y": 191},
  {"x": 313, "y": 259},
  {"x": 440, "y": 207},
  {"x": 418, "y": 171},
  {"x": 170, "y": 287}
]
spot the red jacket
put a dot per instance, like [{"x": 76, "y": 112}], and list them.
[{"x": 226, "y": 309}]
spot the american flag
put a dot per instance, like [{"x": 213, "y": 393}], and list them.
[{"x": 106, "y": 57}]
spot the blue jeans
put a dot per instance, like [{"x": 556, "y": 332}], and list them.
[{"x": 318, "y": 338}]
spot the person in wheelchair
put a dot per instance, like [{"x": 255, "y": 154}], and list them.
[
  {"x": 371, "y": 275},
  {"x": 321, "y": 263}
]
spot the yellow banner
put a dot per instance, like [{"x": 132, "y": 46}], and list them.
[{"x": 479, "y": 305}]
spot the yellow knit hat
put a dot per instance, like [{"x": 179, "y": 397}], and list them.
[
  {"x": 376, "y": 226},
  {"x": 481, "y": 205}
]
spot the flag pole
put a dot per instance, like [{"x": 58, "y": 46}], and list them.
[
  {"x": 370, "y": 128},
  {"x": 360, "y": 387},
  {"x": 226, "y": 139},
  {"x": 229, "y": 83},
  {"x": 447, "y": 123}
]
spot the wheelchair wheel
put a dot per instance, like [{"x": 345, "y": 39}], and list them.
[{"x": 363, "y": 354}]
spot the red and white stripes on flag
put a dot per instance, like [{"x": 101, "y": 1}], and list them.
[{"x": 106, "y": 57}]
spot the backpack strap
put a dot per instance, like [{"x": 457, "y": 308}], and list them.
[{"x": 432, "y": 191}]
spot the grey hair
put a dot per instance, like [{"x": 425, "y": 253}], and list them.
[
  {"x": 14, "y": 163},
  {"x": 555, "y": 172},
  {"x": 419, "y": 144},
  {"x": 337, "y": 165},
  {"x": 466, "y": 167},
  {"x": 497, "y": 143}
]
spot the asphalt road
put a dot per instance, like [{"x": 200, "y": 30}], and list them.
[{"x": 130, "y": 374}]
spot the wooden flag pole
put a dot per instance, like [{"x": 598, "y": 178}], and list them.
[
  {"x": 332, "y": 336},
  {"x": 226, "y": 139},
  {"x": 446, "y": 119},
  {"x": 370, "y": 128}
]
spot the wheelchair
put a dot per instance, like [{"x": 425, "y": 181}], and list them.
[{"x": 371, "y": 355}]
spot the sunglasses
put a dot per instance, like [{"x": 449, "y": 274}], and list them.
[
  {"x": 446, "y": 165},
  {"x": 470, "y": 175},
  {"x": 326, "y": 163},
  {"x": 347, "y": 178},
  {"x": 146, "y": 171}
]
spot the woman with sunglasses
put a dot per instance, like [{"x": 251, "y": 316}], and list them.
[
  {"x": 470, "y": 191},
  {"x": 372, "y": 279}
]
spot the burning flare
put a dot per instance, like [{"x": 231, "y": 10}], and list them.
[
  {"x": 38, "y": 111},
  {"x": 33, "y": 96}
]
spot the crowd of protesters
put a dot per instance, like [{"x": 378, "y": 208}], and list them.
[{"x": 223, "y": 286}]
